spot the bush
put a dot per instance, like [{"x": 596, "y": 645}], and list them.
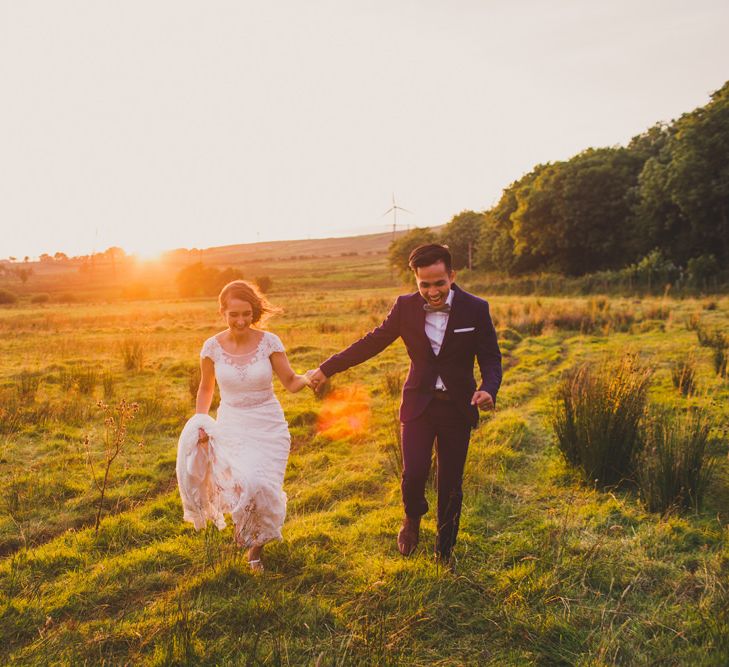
[
  {"x": 7, "y": 298},
  {"x": 200, "y": 280},
  {"x": 400, "y": 249},
  {"x": 40, "y": 298},
  {"x": 701, "y": 269},
  {"x": 598, "y": 415},
  {"x": 674, "y": 467},
  {"x": 265, "y": 283}
]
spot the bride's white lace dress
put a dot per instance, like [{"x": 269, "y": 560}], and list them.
[{"x": 242, "y": 471}]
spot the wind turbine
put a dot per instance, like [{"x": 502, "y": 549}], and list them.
[{"x": 395, "y": 208}]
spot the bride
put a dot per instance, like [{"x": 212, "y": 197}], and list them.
[{"x": 235, "y": 464}]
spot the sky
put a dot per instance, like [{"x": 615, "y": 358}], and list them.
[{"x": 152, "y": 124}]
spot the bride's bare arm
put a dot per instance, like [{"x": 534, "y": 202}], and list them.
[
  {"x": 207, "y": 386},
  {"x": 289, "y": 379}
]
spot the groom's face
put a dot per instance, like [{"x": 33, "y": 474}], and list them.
[{"x": 434, "y": 282}]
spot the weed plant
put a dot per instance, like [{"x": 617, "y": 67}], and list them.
[
  {"x": 675, "y": 467},
  {"x": 114, "y": 441},
  {"x": 598, "y": 416}
]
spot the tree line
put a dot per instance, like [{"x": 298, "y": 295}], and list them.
[{"x": 661, "y": 201}]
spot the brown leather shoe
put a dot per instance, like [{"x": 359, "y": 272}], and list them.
[{"x": 407, "y": 538}]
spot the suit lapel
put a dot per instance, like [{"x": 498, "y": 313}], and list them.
[
  {"x": 451, "y": 319},
  {"x": 419, "y": 323}
]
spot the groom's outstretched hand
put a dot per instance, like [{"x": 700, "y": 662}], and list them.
[
  {"x": 483, "y": 400},
  {"x": 317, "y": 379}
]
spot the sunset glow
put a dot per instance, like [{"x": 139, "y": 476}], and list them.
[{"x": 117, "y": 133}]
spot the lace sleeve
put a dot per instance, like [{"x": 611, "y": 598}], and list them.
[
  {"x": 208, "y": 350},
  {"x": 273, "y": 343}
]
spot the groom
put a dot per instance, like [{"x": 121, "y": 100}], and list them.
[{"x": 444, "y": 330}]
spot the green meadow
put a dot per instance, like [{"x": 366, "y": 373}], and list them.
[{"x": 551, "y": 569}]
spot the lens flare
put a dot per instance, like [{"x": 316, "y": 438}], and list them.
[{"x": 344, "y": 413}]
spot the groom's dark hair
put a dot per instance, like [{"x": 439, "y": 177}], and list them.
[{"x": 427, "y": 255}]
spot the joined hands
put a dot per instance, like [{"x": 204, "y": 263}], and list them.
[{"x": 317, "y": 379}]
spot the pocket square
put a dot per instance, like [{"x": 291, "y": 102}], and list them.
[{"x": 464, "y": 330}]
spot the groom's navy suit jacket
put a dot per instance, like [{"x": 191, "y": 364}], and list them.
[{"x": 469, "y": 336}]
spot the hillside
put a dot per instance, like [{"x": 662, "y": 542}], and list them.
[{"x": 113, "y": 274}]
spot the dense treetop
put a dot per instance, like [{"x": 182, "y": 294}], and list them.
[{"x": 662, "y": 200}]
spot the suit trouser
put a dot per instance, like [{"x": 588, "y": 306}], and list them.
[{"x": 442, "y": 422}]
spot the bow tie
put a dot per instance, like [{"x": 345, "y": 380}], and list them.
[{"x": 445, "y": 308}]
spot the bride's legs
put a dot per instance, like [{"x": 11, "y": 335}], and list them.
[
  {"x": 254, "y": 558},
  {"x": 255, "y": 553}
]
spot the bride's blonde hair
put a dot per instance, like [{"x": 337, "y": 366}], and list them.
[{"x": 245, "y": 291}]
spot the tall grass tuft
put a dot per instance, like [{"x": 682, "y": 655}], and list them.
[
  {"x": 327, "y": 327},
  {"x": 66, "y": 379},
  {"x": 132, "y": 350},
  {"x": 598, "y": 416},
  {"x": 719, "y": 358},
  {"x": 11, "y": 414},
  {"x": 393, "y": 382},
  {"x": 193, "y": 382},
  {"x": 719, "y": 343},
  {"x": 28, "y": 384},
  {"x": 86, "y": 380},
  {"x": 683, "y": 375},
  {"x": 675, "y": 467},
  {"x": 393, "y": 444},
  {"x": 107, "y": 382}
]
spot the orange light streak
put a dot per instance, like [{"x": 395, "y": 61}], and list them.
[{"x": 345, "y": 412}]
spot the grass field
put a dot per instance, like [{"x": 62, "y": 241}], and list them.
[{"x": 550, "y": 570}]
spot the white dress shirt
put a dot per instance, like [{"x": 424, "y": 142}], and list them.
[{"x": 435, "y": 328}]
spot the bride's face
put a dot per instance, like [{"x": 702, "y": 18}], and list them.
[{"x": 238, "y": 315}]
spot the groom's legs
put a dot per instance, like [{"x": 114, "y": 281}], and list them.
[
  {"x": 453, "y": 432},
  {"x": 417, "y": 449}
]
